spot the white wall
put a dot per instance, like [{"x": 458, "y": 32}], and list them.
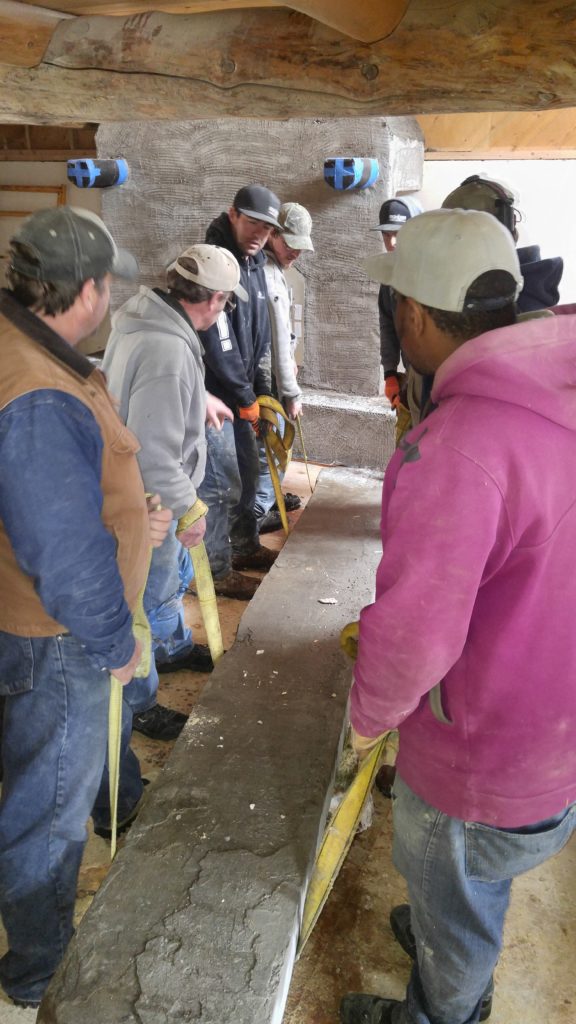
[{"x": 546, "y": 199}]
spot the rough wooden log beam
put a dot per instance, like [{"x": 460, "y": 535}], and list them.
[
  {"x": 475, "y": 56},
  {"x": 25, "y": 32},
  {"x": 366, "y": 20}
]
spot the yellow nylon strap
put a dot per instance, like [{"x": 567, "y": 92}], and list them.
[
  {"x": 278, "y": 447},
  {"x": 337, "y": 841},
  {"x": 114, "y": 731},
  {"x": 278, "y": 493},
  {"x": 194, "y": 513},
  {"x": 301, "y": 437},
  {"x": 207, "y": 600},
  {"x": 142, "y": 632},
  {"x": 204, "y": 581}
]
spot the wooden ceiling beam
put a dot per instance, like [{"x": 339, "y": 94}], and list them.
[
  {"x": 366, "y": 20},
  {"x": 25, "y": 32},
  {"x": 478, "y": 55}
]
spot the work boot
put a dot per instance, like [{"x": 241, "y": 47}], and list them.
[
  {"x": 270, "y": 522},
  {"x": 233, "y": 584},
  {"x": 263, "y": 558},
  {"x": 357, "y": 1008},
  {"x": 291, "y": 501},
  {"x": 160, "y": 723},
  {"x": 402, "y": 928},
  {"x": 105, "y": 831},
  {"x": 197, "y": 659}
]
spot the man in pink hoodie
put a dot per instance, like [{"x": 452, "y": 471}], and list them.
[{"x": 469, "y": 648}]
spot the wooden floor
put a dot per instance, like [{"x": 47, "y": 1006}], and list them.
[{"x": 352, "y": 947}]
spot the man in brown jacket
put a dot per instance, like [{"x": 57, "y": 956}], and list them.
[{"x": 75, "y": 536}]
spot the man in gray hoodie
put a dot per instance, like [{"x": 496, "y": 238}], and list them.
[{"x": 155, "y": 369}]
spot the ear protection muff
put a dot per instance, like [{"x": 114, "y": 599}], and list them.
[{"x": 505, "y": 210}]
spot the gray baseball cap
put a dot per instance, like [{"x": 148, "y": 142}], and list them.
[
  {"x": 296, "y": 226},
  {"x": 70, "y": 244}
]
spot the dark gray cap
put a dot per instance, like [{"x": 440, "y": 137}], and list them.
[
  {"x": 258, "y": 202},
  {"x": 70, "y": 244}
]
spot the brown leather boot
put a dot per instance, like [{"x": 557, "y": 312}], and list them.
[
  {"x": 234, "y": 584},
  {"x": 263, "y": 558}
]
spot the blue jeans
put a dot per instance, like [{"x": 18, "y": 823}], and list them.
[
  {"x": 229, "y": 490},
  {"x": 459, "y": 876},
  {"x": 169, "y": 576},
  {"x": 53, "y": 751}
]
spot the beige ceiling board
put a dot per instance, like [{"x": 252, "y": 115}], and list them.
[
  {"x": 274, "y": 63},
  {"x": 366, "y": 20},
  {"x": 503, "y": 134},
  {"x": 25, "y": 32}
]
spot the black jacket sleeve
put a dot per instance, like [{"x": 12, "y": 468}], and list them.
[
  {"x": 226, "y": 374},
  {"x": 389, "y": 343}
]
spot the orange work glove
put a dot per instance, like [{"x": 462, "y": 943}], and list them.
[
  {"x": 392, "y": 389},
  {"x": 251, "y": 413}
]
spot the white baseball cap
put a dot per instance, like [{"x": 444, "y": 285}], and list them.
[
  {"x": 216, "y": 268},
  {"x": 441, "y": 253}
]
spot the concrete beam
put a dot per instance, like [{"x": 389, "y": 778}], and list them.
[
  {"x": 198, "y": 918},
  {"x": 347, "y": 430}
]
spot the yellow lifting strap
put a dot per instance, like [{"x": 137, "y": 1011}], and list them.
[
  {"x": 207, "y": 600},
  {"x": 303, "y": 447},
  {"x": 342, "y": 826},
  {"x": 142, "y": 632},
  {"x": 204, "y": 582},
  {"x": 337, "y": 841},
  {"x": 278, "y": 447}
]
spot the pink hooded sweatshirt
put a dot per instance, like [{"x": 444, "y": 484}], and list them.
[{"x": 470, "y": 645}]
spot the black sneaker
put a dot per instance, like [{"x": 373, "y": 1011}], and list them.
[
  {"x": 105, "y": 831},
  {"x": 197, "y": 659},
  {"x": 400, "y": 925},
  {"x": 270, "y": 522},
  {"x": 26, "y": 1004},
  {"x": 385, "y": 780},
  {"x": 160, "y": 723},
  {"x": 357, "y": 1008},
  {"x": 291, "y": 501}
]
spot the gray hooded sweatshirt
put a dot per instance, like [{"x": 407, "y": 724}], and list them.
[{"x": 153, "y": 364}]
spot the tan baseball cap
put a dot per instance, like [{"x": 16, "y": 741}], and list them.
[
  {"x": 296, "y": 226},
  {"x": 216, "y": 268},
  {"x": 440, "y": 254}
]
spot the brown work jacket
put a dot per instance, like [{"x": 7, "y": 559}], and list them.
[{"x": 33, "y": 357}]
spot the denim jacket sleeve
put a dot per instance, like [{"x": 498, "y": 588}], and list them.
[{"x": 50, "y": 505}]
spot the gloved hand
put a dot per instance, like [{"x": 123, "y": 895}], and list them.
[
  {"x": 349, "y": 639},
  {"x": 251, "y": 413},
  {"x": 192, "y": 525},
  {"x": 363, "y": 745},
  {"x": 392, "y": 389}
]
